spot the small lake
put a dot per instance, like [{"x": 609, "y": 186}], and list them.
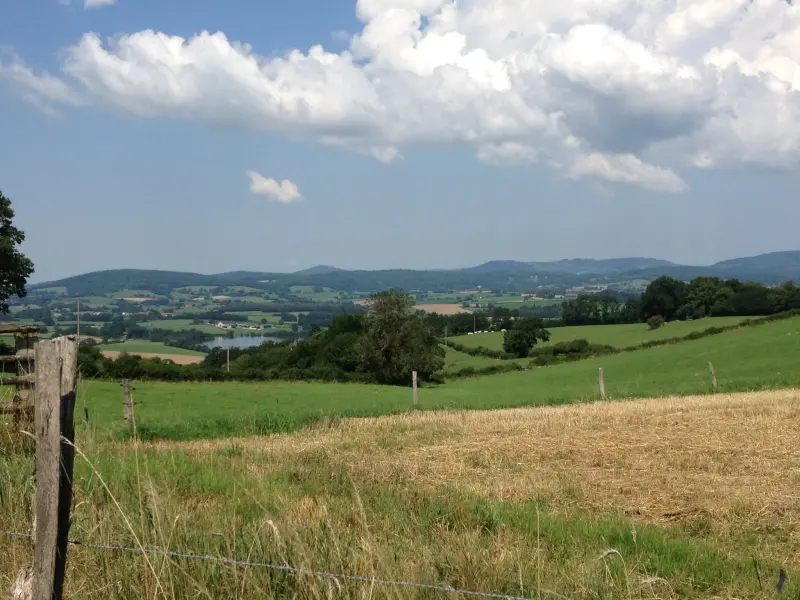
[{"x": 241, "y": 342}]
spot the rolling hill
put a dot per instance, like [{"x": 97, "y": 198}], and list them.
[{"x": 508, "y": 275}]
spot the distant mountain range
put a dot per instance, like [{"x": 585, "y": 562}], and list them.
[
  {"x": 508, "y": 275},
  {"x": 577, "y": 266}
]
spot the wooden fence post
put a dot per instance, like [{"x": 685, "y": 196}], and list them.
[
  {"x": 56, "y": 377},
  {"x": 414, "y": 391},
  {"x": 127, "y": 404},
  {"x": 713, "y": 377},
  {"x": 601, "y": 383}
]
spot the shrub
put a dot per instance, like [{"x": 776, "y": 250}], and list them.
[{"x": 655, "y": 322}]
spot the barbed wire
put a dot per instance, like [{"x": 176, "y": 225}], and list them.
[{"x": 284, "y": 568}]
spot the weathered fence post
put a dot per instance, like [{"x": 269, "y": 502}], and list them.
[
  {"x": 601, "y": 383},
  {"x": 127, "y": 404},
  {"x": 414, "y": 391},
  {"x": 713, "y": 377},
  {"x": 56, "y": 377}
]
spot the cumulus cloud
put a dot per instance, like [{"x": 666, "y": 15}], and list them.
[
  {"x": 285, "y": 192},
  {"x": 627, "y": 168},
  {"x": 98, "y": 3},
  {"x": 593, "y": 88}
]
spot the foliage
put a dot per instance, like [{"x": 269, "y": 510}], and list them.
[
  {"x": 15, "y": 267},
  {"x": 664, "y": 296},
  {"x": 397, "y": 341},
  {"x": 479, "y": 351},
  {"x": 456, "y": 324},
  {"x": 569, "y": 351},
  {"x": 524, "y": 336},
  {"x": 600, "y": 310},
  {"x": 655, "y": 322},
  {"x": 712, "y": 296}
]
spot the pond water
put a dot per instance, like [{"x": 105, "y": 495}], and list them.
[{"x": 241, "y": 342}]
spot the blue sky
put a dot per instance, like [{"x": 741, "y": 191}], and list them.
[{"x": 427, "y": 134}]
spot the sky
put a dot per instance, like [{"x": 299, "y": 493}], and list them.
[{"x": 214, "y": 136}]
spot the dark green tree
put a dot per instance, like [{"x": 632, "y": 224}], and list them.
[
  {"x": 15, "y": 267},
  {"x": 526, "y": 333},
  {"x": 396, "y": 341},
  {"x": 663, "y": 296}
]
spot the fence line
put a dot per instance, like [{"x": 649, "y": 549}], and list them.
[{"x": 284, "y": 568}]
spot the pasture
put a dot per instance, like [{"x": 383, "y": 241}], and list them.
[
  {"x": 455, "y": 361},
  {"x": 146, "y": 346},
  {"x": 442, "y": 309},
  {"x": 182, "y": 325},
  {"x": 640, "y": 499},
  {"x": 618, "y": 336},
  {"x": 753, "y": 358}
]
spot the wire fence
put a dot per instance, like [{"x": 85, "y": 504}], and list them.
[{"x": 282, "y": 568}]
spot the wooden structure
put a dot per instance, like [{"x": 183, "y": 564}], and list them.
[
  {"x": 55, "y": 380},
  {"x": 18, "y": 370}
]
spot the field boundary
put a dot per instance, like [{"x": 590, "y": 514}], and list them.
[{"x": 605, "y": 350}]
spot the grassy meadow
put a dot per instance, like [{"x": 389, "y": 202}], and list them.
[
  {"x": 752, "y": 358},
  {"x": 640, "y": 499},
  {"x": 618, "y": 336},
  {"x": 146, "y": 346}
]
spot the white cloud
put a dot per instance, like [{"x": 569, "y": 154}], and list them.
[
  {"x": 627, "y": 168},
  {"x": 595, "y": 88},
  {"x": 285, "y": 192},
  {"x": 98, "y": 3}
]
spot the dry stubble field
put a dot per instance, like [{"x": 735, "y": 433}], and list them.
[{"x": 661, "y": 498}]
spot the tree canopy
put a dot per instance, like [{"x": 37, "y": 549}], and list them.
[
  {"x": 397, "y": 341},
  {"x": 15, "y": 267},
  {"x": 526, "y": 333}
]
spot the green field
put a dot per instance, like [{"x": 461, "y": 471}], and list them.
[
  {"x": 455, "y": 361},
  {"x": 307, "y": 291},
  {"x": 663, "y": 498},
  {"x": 87, "y": 302},
  {"x": 182, "y": 325},
  {"x": 486, "y": 502},
  {"x": 752, "y": 358},
  {"x": 133, "y": 294},
  {"x": 618, "y": 336},
  {"x": 136, "y": 346}
]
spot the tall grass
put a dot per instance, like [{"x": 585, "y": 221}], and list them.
[{"x": 306, "y": 506}]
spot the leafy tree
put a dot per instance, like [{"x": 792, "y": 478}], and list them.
[
  {"x": 663, "y": 296},
  {"x": 15, "y": 267},
  {"x": 524, "y": 336},
  {"x": 397, "y": 341},
  {"x": 752, "y": 299},
  {"x": 708, "y": 296}
]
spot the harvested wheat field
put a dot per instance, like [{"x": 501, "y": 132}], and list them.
[
  {"x": 730, "y": 461},
  {"x": 178, "y": 359},
  {"x": 442, "y": 309}
]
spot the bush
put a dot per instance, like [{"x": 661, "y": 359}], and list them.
[{"x": 655, "y": 322}]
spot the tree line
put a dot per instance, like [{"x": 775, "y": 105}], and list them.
[
  {"x": 383, "y": 346},
  {"x": 672, "y": 299}
]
